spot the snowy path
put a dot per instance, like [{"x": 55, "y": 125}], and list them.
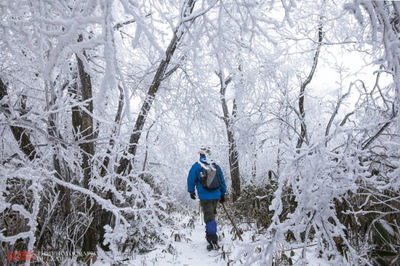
[
  {"x": 187, "y": 247},
  {"x": 194, "y": 252}
]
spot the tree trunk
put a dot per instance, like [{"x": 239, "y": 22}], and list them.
[
  {"x": 86, "y": 123},
  {"x": 85, "y": 134},
  {"x": 76, "y": 114},
  {"x": 233, "y": 153},
  {"x": 254, "y": 161}
]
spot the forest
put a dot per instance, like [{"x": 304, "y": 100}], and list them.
[{"x": 104, "y": 105}]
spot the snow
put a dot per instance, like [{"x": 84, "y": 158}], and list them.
[
  {"x": 187, "y": 246},
  {"x": 387, "y": 227},
  {"x": 265, "y": 50}
]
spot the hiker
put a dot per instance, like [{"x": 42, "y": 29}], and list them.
[{"x": 209, "y": 180}]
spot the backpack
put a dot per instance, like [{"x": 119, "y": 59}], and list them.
[{"x": 209, "y": 176}]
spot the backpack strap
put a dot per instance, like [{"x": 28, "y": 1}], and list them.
[{"x": 217, "y": 172}]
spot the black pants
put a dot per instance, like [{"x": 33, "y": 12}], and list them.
[{"x": 209, "y": 208}]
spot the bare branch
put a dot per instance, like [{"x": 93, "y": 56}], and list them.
[
  {"x": 339, "y": 103},
  {"x": 303, "y": 133},
  {"x": 130, "y": 21}
]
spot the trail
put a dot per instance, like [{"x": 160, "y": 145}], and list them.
[{"x": 187, "y": 246}]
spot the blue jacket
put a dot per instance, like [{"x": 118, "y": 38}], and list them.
[{"x": 193, "y": 181}]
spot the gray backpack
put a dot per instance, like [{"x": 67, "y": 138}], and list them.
[{"x": 209, "y": 176}]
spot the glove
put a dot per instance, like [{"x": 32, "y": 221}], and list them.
[
  {"x": 222, "y": 199},
  {"x": 193, "y": 196}
]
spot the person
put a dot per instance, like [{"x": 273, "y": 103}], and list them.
[{"x": 209, "y": 194}]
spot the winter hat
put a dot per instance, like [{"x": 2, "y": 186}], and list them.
[{"x": 204, "y": 150}]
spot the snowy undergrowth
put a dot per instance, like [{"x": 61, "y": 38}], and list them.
[{"x": 187, "y": 245}]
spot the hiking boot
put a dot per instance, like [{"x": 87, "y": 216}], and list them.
[{"x": 212, "y": 246}]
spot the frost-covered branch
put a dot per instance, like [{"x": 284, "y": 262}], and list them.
[
  {"x": 20, "y": 134},
  {"x": 303, "y": 133},
  {"x": 125, "y": 164}
]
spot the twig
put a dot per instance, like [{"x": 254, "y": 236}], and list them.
[{"x": 234, "y": 225}]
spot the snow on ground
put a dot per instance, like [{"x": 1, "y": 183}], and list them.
[{"x": 187, "y": 246}]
